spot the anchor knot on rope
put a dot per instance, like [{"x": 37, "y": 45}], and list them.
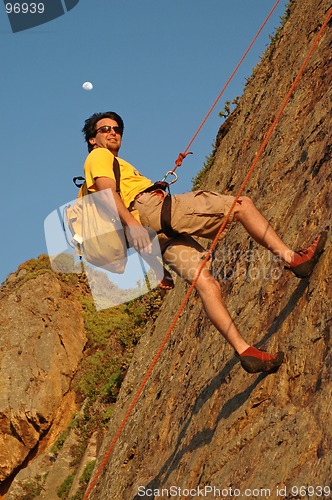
[{"x": 181, "y": 157}]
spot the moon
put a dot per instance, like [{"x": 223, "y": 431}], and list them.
[{"x": 87, "y": 86}]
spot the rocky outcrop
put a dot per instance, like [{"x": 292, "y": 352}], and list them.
[
  {"x": 202, "y": 422},
  {"x": 41, "y": 344}
]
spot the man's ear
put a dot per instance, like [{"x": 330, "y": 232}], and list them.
[{"x": 92, "y": 141}]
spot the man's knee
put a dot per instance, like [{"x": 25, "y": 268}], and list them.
[
  {"x": 207, "y": 282},
  {"x": 244, "y": 205}
]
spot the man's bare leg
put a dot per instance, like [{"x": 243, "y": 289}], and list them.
[
  {"x": 252, "y": 360},
  {"x": 260, "y": 230},
  {"x": 210, "y": 293},
  {"x": 301, "y": 262}
]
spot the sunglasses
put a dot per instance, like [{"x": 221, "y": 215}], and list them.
[{"x": 108, "y": 128}]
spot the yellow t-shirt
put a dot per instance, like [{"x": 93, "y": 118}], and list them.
[{"x": 99, "y": 163}]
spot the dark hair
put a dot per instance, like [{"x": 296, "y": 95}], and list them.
[{"x": 89, "y": 129}]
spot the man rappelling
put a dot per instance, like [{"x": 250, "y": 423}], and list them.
[{"x": 143, "y": 204}]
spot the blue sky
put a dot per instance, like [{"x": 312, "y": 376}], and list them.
[{"x": 159, "y": 64}]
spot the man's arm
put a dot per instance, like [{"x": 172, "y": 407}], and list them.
[{"x": 137, "y": 235}]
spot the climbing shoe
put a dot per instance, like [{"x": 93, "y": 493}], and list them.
[
  {"x": 254, "y": 361},
  {"x": 304, "y": 261}
]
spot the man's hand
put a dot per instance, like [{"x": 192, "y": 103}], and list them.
[{"x": 139, "y": 238}]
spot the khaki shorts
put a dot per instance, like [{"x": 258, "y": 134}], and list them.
[{"x": 198, "y": 213}]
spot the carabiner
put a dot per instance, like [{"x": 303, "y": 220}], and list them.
[{"x": 170, "y": 173}]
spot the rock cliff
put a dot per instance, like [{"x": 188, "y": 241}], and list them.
[
  {"x": 42, "y": 339},
  {"x": 202, "y": 424}
]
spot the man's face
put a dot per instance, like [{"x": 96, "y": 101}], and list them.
[{"x": 107, "y": 137}]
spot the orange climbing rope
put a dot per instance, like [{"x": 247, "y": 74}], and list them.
[
  {"x": 208, "y": 255},
  {"x": 186, "y": 152}
]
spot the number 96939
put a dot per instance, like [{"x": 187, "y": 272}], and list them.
[{"x": 25, "y": 8}]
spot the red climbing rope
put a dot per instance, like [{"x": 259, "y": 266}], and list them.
[
  {"x": 186, "y": 152},
  {"x": 208, "y": 255}
]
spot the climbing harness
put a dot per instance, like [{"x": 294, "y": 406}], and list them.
[{"x": 207, "y": 257}]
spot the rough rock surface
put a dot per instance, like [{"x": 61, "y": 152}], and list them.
[
  {"x": 41, "y": 343},
  {"x": 201, "y": 420}
]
